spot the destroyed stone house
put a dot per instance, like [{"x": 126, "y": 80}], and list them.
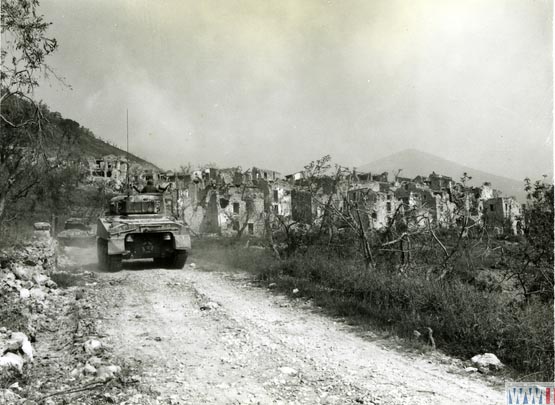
[
  {"x": 439, "y": 182},
  {"x": 262, "y": 174},
  {"x": 109, "y": 167},
  {"x": 241, "y": 209},
  {"x": 503, "y": 215},
  {"x": 232, "y": 201},
  {"x": 369, "y": 177},
  {"x": 294, "y": 177},
  {"x": 377, "y": 207},
  {"x": 307, "y": 201},
  {"x": 175, "y": 179},
  {"x": 379, "y": 200}
]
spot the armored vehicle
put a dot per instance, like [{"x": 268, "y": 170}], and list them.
[
  {"x": 77, "y": 232},
  {"x": 141, "y": 226}
]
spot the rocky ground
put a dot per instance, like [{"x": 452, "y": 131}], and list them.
[
  {"x": 50, "y": 349},
  {"x": 206, "y": 334}
]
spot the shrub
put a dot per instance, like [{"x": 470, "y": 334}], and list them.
[{"x": 466, "y": 319}]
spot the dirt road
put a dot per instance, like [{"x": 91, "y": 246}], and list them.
[{"x": 205, "y": 336}]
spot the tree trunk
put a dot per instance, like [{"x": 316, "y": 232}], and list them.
[{"x": 2, "y": 206}]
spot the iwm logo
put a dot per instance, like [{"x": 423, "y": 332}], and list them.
[{"x": 528, "y": 393}]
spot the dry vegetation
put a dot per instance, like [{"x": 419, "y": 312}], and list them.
[{"x": 496, "y": 295}]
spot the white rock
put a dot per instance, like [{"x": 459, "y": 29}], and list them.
[
  {"x": 76, "y": 372},
  {"x": 12, "y": 345},
  {"x": 471, "y": 369},
  {"x": 9, "y": 397},
  {"x": 22, "y": 272},
  {"x": 487, "y": 360},
  {"x": 28, "y": 350},
  {"x": 24, "y": 294},
  {"x": 37, "y": 294},
  {"x": 24, "y": 343},
  {"x": 10, "y": 360},
  {"x": 40, "y": 279},
  {"x": 94, "y": 361},
  {"x": 209, "y": 306},
  {"x": 288, "y": 371},
  {"x": 193, "y": 265},
  {"x": 15, "y": 386},
  {"x": 92, "y": 346},
  {"x": 88, "y": 369},
  {"x": 105, "y": 373},
  {"x": 296, "y": 291},
  {"x": 19, "y": 336}
]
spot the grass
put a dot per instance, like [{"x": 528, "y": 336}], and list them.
[{"x": 466, "y": 319}]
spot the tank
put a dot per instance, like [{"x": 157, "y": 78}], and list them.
[
  {"x": 77, "y": 232},
  {"x": 141, "y": 226}
]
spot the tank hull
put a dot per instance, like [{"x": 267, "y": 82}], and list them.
[{"x": 141, "y": 236}]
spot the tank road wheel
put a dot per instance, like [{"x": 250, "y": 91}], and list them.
[
  {"x": 178, "y": 260},
  {"x": 107, "y": 262}
]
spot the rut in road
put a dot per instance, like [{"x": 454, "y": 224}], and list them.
[{"x": 210, "y": 337}]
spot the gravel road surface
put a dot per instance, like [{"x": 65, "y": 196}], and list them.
[{"x": 203, "y": 335}]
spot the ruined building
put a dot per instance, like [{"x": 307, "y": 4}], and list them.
[
  {"x": 503, "y": 215},
  {"x": 109, "y": 167},
  {"x": 233, "y": 202}
]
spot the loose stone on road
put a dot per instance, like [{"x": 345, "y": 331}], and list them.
[{"x": 204, "y": 336}]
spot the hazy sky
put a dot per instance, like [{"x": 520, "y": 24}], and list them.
[{"x": 279, "y": 83}]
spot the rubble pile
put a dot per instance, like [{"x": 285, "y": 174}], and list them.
[
  {"x": 49, "y": 348},
  {"x": 24, "y": 287}
]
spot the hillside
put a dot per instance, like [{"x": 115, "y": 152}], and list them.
[
  {"x": 90, "y": 145},
  {"x": 67, "y": 133},
  {"x": 414, "y": 162}
]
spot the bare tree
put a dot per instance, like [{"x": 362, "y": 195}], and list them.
[{"x": 25, "y": 47}]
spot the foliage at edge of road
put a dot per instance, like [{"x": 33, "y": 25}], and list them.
[{"x": 497, "y": 295}]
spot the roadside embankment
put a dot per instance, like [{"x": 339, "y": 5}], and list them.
[{"x": 50, "y": 351}]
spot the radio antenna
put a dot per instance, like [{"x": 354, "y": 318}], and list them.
[{"x": 128, "y": 166}]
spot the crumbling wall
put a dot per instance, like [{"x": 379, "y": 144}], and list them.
[
  {"x": 302, "y": 206},
  {"x": 503, "y": 214}
]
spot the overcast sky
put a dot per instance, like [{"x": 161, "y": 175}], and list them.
[{"x": 279, "y": 83}]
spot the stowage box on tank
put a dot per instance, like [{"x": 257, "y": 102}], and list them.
[{"x": 138, "y": 227}]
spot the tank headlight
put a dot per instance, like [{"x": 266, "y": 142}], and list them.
[
  {"x": 129, "y": 238},
  {"x": 167, "y": 236}
]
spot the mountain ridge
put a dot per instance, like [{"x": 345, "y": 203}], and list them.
[{"x": 414, "y": 162}]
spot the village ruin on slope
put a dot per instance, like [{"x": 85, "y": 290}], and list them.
[{"x": 231, "y": 201}]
